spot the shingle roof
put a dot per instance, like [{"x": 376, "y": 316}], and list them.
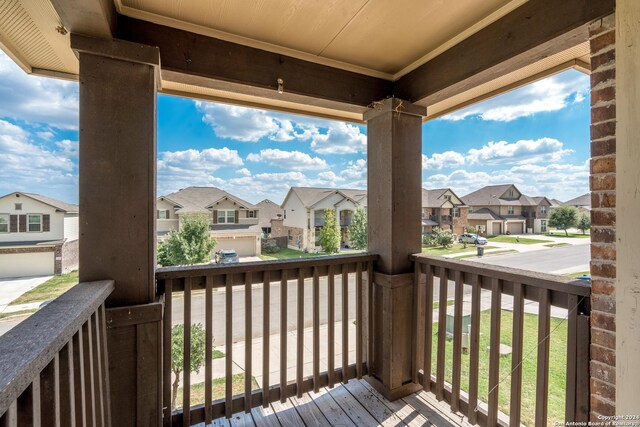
[
  {"x": 197, "y": 199},
  {"x": 555, "y": 202},
  {"x": 309, "y": 196},
  {"x": 490, "y": 196},
  {"x": 61, "y": 206},
  {"x": 435, "y": 198},
  {"x": 483, "y": 215},
  {"x": 584, "y": 200},
  {"x": 268, "y": 210}
]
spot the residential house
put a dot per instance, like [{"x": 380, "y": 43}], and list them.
[
  {"x": 583, "y": 203},
  {"x": 503, "y": 209},
  {"x": 304, "y": 209},
  {"x": 537, "y": 215},
  {"x": 268, "y": 210},
  {"x": 444, "y": 209},
  {"x": 234, "y": 222},
  {"x": 38, "y": 235}
]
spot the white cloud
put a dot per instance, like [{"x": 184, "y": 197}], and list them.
[
  {"x": 448, "y": 159},
  {"x": 329, "y": 177},
  {"x": 244, "y": 172},
  {"x": 523, "y": 151},
  {"x": 291, "y": 160},
  {"x": 37, "y": 99},
  {"x": 551, "y": 94},
  {"x": 28, "y": 166},
  {"x": 355, "y": 170},
  {"x": 240, "y": 123},
  {"x": 340, "y": 138}
]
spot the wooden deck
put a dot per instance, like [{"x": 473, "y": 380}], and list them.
[{"x": 354, "y": 404}]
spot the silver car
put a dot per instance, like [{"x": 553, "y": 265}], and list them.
[
  {"x": 472, "y": 238},
  {"x": 226, "y": 256}
]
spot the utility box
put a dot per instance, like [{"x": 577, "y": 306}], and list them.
[{"x": 466, "y": 319}]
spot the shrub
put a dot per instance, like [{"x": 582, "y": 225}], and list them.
[{"x": 270, "y": 248}]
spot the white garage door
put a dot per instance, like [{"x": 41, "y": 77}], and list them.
[
  {"x": 244, "y": 246},
  {"x": 23, "y": 265},
  {"x": 515, "y": 227},
  {"x": 497, "y": 228}
]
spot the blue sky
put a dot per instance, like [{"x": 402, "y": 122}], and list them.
[{"x": 536, "y": 137}]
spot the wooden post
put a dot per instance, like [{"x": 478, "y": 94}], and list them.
[
  {"x": 394, "y": 129},
  {"x": 118, "y": 83}
]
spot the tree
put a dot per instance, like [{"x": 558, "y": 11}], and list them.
[
  {"x": 563, "y": 218},
  {"x": 191, "y": 244},
  {"x": 329, "y": 237},
  {"x": 358, "y": 229},
  {"x": 470, "y": 229},
  {"x": 443, "y": 238},
  {"x": 584, "y": 223},
  {"x": 177, "y": 354}
]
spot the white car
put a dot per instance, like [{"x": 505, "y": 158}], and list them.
[{"x": 472, "y": 238}]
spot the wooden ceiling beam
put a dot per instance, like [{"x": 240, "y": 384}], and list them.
[
  {"x": 94, "y": 18},
  {"x": 534, "y": 31}
]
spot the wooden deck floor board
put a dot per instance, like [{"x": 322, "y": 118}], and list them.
[
  {"x": 330, "y": 408},
  {"x": 407, "y": 413},
  {"x": 378, "y": 410}
]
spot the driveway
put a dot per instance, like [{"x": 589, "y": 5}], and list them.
[{"x": 11, "y": 289}]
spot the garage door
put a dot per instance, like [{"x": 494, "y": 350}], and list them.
[
  {"x": 497, "y": 228},
  {"x": 23, "y": 265},
  {"x": 515, "y": 227},
  {"x": 244, "y": 246}
]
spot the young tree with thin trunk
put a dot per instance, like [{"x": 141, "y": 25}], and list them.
[
  {"x": 191, "y": 244},
  {"x": 358, "y": 229},
  {"x": 564, "y": 218},
  {"x": 584, "y": 223},
  {"x": 177, "y": 354},
  {"x": 330, "y": 233}
]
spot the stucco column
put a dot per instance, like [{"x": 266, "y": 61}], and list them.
[
  {"x": 627, "y": 289},
  {"x": 394, "y": 139},
  {"x": 118, "y": 82}
]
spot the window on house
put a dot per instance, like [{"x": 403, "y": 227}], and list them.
[
  {"x": 448, "y": 197},
  {"x": 226, "y": 217},
  {"x": 289, "y": 235},
  {"x": 543, "y": 226},
  {"x": 470, "y": 209},
  {"x": 163, "y": 214},
  {"x": 251, "y": 214},
  {"x": 456, "y": 212},
  {"x": 510, "y": 193},
  {"x": 510, "y": 210},
  {"x": 35, "y": 223},
  {"x": 285, "y": 214},
  {"x": 543, "y": 210},
  {"x": 4, "y": 223},
  {"x": 18, "y": 206}
]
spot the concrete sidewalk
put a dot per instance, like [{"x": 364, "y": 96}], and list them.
[{"x": 10, "y": 289}]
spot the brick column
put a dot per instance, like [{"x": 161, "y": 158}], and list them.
[{"x": 603, "y": 217}]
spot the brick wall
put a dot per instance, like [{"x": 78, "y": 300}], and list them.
[
  {"x": 278, "y": 229},
  {"x": 603, "y": 217},
  {"x": 70, "y": 256}
]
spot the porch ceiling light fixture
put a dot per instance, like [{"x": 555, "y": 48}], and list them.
[{"x": 280, "y": 86}]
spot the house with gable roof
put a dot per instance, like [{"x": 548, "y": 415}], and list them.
[
  {"x": 303, "y": 214},
  {"x": 233, "y": 221},
  {"x": 444, "y": 209}
]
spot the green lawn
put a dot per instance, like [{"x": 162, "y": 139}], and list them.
[
  {"x": 557, "y": 365},
  {"x": 454, "y": 249},
  {"x": 217, "y": 389},
  {"x": 294, "y": 254},
  {"x": 436, "y": 304},
  {"x": 16, "y": 313},
  {"x": 504, "y": 251},
  {"x": 217, "y": 354},
  {"x": 513, "y": 239},
  {"x": 561, "y": 233},
  {"x": 50, "y": 289}
]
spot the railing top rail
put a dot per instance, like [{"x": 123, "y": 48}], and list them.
[
  {"x": 245, "y": 267},
  {"x": 531, "y": 278},
  {"x": 27, "y": 348}
]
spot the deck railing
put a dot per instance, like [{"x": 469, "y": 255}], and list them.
[
  {"x": 314, "y": 275},
  {"x": 55, "y": 365},
  {"x": 543, "y": 291}
]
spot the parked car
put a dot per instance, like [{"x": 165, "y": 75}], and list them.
[
  {"x": 472, "y": 238},
  {"x": 226, "y": 256}
]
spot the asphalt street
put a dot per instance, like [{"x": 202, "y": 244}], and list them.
[{"x": 554, "y": 260}]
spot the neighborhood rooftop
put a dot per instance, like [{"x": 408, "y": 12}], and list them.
[
  {"x": 199, "y": 199},
  {"x": 61, "y": 206}
]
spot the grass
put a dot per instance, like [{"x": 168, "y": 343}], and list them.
[
  {"x": 217, "y": 354},
  {"x": 505, "y": 251},
  {"x": 554, "y": 245},
  {"x": 557, "y": 365},
  {"x": 294, "y": 254},
  {"x": 512, "y": 239},
  {"x": 217, "y": 389},
  {"x": 50, "y": 289},
  {"x": 454, "y": 249},
  {"x": 436, "y": 304},
  {"x": 561, "y": 233},
  {"x": 4, "y": 316}
]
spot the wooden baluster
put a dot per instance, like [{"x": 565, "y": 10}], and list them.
[
  {"x": 283, "y": 337},
  {"x": 104, "y": 354},
  {"x": 370, "y": 318},
  {"x": 50, "y": 393},
  {"x": 266, "y": 337},
  {"x": 494, "y": 351},
  {"x": 345, "y": 323},
  {"x": 27, "y": 408},
  {"x": 457, "y": 341},
  {"x": 186, "y": 351},
  {"x": 417, "y": 274},
  {"x": 542, "y": 371},
  {"x": 316, "y": 330},
  {"x": 331, "y": 327},
  {"x": 208, "y": 347},
  {"x": 442, "y": 332},
  {"x": 582, "y": 368},
  {"x": 97, "y": 367},
  {"x": 248, "y": 333},
  {"x": 300, "y": 334},
  {"x": 67, "y": 384},
  {"x": 90, "y": 391},
  {"x": 572, "y": 324},
  {"x": 428, "y": 327},
  {"x": 10, "y": 417},
  {"x": 359, "y": 320},
  {"x": 474, "y": 349},
  {"x": 79, "y": 379},
  {"x": 228, "y": 341},
  {"x": 166, "y": 354},
  {"x": 516, "y": 355}
]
